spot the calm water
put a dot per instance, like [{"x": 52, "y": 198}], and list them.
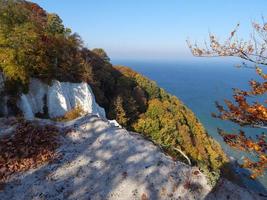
[{"x": 199, "y": 85}]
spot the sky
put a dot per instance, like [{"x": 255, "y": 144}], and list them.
[{"x": 154, "y": 29}]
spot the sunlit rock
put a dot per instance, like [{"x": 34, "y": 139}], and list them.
[{"x": 58, "y": 99}]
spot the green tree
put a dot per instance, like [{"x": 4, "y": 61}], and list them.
[
  {"x": 119, "y": 112},
  {"x": 101, "y": 53},
  {"x": 17, "y": 40},
  {"x": 54, "y": 24}
]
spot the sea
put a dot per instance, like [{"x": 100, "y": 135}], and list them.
[{"x": 199, "y": 83}]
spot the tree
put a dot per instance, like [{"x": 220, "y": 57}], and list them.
[
  {"x": 17, "y": 39},
  {"x": 242, "y": 111},
  {"x": 101, "y": 53},
  {"x": 34, "y": 43},
  {"x": 54, "y": 24},
  {"x": 119, "y": 111}
]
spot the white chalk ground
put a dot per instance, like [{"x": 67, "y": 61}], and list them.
[{"x": 100, "y": 161}]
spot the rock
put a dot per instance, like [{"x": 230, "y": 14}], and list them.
[
  {"x": 36, "y": 95},
  {"x": 25, "y": 107},
  {"x": 33, "y": 102},
  {"x": 114, "y": 123},
  {"x": 59, "y": 98},
  {"x": 63, "y": 97}
]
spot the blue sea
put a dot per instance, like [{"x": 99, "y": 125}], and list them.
[{"x": 199, "y": 83}]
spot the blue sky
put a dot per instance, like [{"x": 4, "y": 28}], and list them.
[{"x": 154, "y": 29}]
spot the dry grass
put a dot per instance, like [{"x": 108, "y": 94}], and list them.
[{"x": 72, "y": 114}]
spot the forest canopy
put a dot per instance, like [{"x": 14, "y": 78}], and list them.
[{"x": 35, "y": 43}]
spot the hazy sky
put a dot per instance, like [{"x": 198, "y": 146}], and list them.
[{"x": 153, "y": 29}]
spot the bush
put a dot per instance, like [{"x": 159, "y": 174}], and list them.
[{"x": 71, "y": 115}]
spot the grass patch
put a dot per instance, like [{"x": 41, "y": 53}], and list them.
[{"x": 70, "y": 115}]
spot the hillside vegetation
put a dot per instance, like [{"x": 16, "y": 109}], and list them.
[{"x": 34, "y": 43}]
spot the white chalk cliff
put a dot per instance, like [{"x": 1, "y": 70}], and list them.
[{"x": 59, "y": 98}]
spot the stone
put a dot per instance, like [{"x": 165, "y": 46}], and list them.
[{"x": 59, "y": 98}]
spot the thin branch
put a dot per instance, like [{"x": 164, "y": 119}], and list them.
[{"x": 183, "y": 154}]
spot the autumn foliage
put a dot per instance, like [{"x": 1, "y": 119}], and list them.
[
  {"x": 71, "y": 115},
  {"x": 247, "y": 108},
  {"x": 165, "y": 120},
  {"x": 35, "y": 43}
]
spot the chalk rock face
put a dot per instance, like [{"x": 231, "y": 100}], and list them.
[
  {"x": 37, "y": 95},
  {"x": 59, "y": 98},
  {"x": 114, "y": 123},
  {"x": 63, "y": 96},
  {"x": 25, "y": 106}
]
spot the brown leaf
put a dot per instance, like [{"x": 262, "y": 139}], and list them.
[{"x": 144, "y": 197}]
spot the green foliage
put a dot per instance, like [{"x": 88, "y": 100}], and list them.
[
  {"x": 118, "y": 111},
  {"x": 12, "y": 13},
  {"x": 54, "y": 24},
  {"x": 16, "y": 40},
  {"x": 101, "y": 53},
  {"x": 36, "y": 44},
  {"x": 150, "y": 87},
  {"x": 169, "y": 123}
]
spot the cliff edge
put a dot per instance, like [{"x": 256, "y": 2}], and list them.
[{"x": 100, "y": 161}]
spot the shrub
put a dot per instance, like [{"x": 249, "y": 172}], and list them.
[{"x": 72, "y": 114}]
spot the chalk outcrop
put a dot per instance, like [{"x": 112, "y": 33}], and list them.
[{"x": 58, "y": 99}]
